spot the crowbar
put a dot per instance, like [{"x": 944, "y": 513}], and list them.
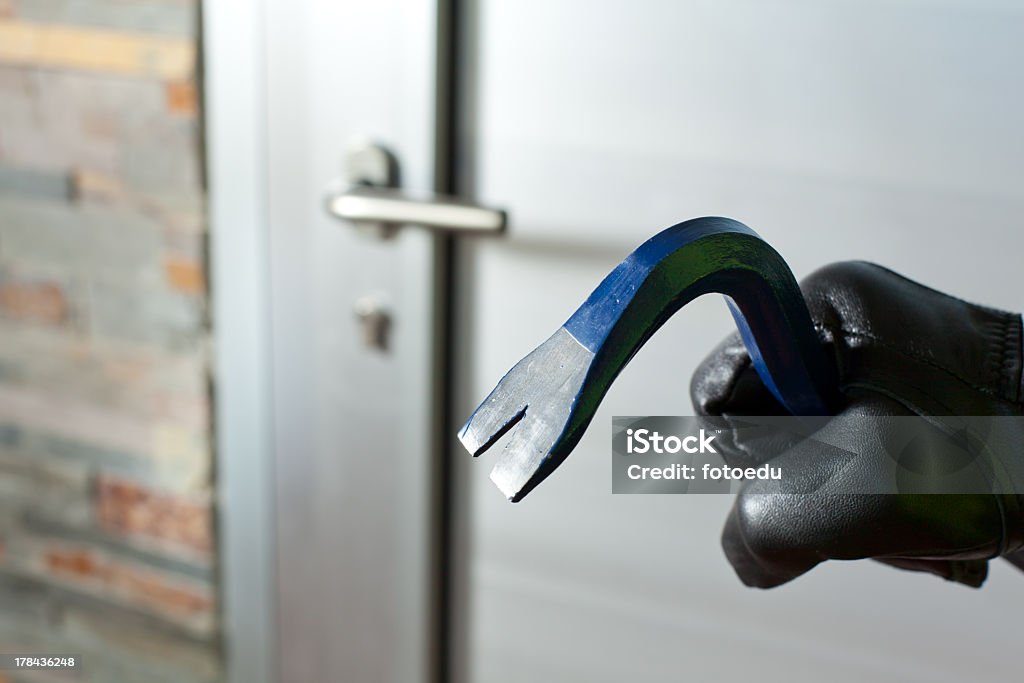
[{"x": 551, "y": 395}]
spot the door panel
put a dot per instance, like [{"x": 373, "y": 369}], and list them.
[
  {"x": 353, "y": 425},
  {"x": 885, "y": 130}
]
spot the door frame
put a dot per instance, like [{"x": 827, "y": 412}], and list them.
[
  {"x": 238, "y": 63},
  {"x": 234, "y": 105}
]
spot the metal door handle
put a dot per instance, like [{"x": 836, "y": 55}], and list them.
[
  {"x": 371, "y": 201},
  {"x": 367, "y": 205}
]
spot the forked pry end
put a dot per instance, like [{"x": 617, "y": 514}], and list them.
[
  {"x": 536, "y": 398},
  {"x": 514, "y": 485},
  {"x": 481, "y": 432},
  {"x": 522, "y": 467},
  {"x": 511, "y": 490}
]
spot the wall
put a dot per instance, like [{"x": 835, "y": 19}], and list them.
[
  {"x": 106, "y": 541},
  {"x": 886, "y": 130}
]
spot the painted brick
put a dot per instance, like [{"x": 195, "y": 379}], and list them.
[
  {"x": 145, "y": 649},
  {"x": 17, "y": 98},
  {"x": 23, "y": 441},
  {"x": 166, "y": 455},
  {"x": 11, "y": 436},
  {"x": 34, "y": 231},
  {"x": 35, "y": 184},
  {"x": 116, "y": 578},
  {"x": 111, "y": 93},
  {"x": 174, "y": 559},
  {"x": 188, "y": 245},
  {"x": 182, "y": 456},
  {"x": 182, "y": 99},
  {"x": 166, "y": 17},
  {"x": 115, "y": 645},
  {"x": 125, "y": 379},
  {"x": 34, "y": 301},
  {"x": 85, "y": 241},
  {"x": 15, "y": 79},
  {"x": 142, "y": 382},
  {"x": 181, "y": 215},
  {"x": 88, "y": 120},
  {"x": 146, "y": 315},
  {"x": 128, "y": 508},
  {"x": 106, "y": 533},
  {"x": 30, "y": 144},
  {"x": 90, "y": 184},
  {"x": 104, "y": 51},
  {"x": 68, "y": 101},
  {"x": 78, "y": 121},
  {"x": 169, "y": 597},
  {"x": 184, "y": 276},
  {"x": 55, "y": 120},
  {"x": 59, "y": 491},
  {"x": 114, "y": 649},
  {"x": 163, "y": 166},
  {"x": 25, "y": 602}
]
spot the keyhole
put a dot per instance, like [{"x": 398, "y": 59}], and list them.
[{"x": 375, "y": 321}]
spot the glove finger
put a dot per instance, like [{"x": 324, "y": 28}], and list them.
[
  {"x": 725, "y": 388},
  {"x": 825, "y": 507},
  {"x": 967, "y": 572},
  {"x": 767, "y": 551},
  {"x": 761, "y": 567},
  {"x": 725, "y": 383}
]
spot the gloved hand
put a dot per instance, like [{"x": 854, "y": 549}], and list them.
[{"x": 900, "y": 349}]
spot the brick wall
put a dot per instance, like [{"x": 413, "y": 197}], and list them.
[{"x": 106, "y": 521}]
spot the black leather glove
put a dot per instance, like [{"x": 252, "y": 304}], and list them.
[{"x": 901, "y": 349}]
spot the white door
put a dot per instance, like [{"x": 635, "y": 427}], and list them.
[
  {"x": 885, "y": 130},
  {"x": 326, "y": 343}
]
